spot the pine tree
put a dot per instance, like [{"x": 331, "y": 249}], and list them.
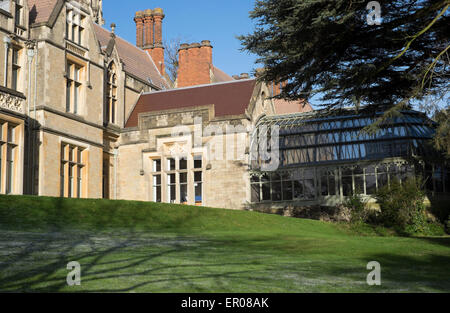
[
  {"x": 328, "y": 47},
  {"x": 333, "y": 48}
]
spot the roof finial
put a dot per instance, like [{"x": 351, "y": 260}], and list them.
[{"x": 113, "y": 27}]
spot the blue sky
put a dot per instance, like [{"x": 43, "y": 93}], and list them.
[{"x": 194, "y": 21}]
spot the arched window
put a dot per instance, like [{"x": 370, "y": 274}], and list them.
[{"x": 111, "y": 94}]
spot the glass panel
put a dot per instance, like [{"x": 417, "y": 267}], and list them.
[
  {"x": 287, "y": 190},
  {"x": 9, "y": 169},
  {"x": 183, "y": 164},
  {"x": 75, "y": 98},
  {"x": 79, "y": 182},
  {"x": 255, "y": 193},
  {"x": 156, "y": 180},
  {"x": 382, "y": 180},
  {"x": 332, "y": 184},
  {"x": 171, "y": 164},
  {"x": 183, "y": 178},
  {"x": 157, "y": 194},
  {"x": 172, "y": 193},
  {"x": 359, "y": 184},
  {"x": 347, "y": 186},
  {"x": 254, "y": 179},
  {"x": 171, "y": 179},
  {"x": 324, "y": 185},
  {"x": 276, "y": 192},
  {"x": 266, "y": 192},
  {"x": 198, "y": 192},
  {"x": 310, "y": 190},
  {"x": 275, "y": 176},
  {"x": 298, "y": 189},
  {"x": 197, "y": 176},
  {"x": 68, "y": 90},
  {"x": 157, "y": 165},
  {"x": 197, "y": 162},
  {"x": 370, "y": 184},
  {"x": 183, "y": 193}
]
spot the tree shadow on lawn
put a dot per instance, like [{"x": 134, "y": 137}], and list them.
[
  {"x": 132, "y": 260},
  {"x": 40, "y": 265}
]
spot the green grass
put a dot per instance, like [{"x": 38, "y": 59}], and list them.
[{"x": 126, "y": 246}]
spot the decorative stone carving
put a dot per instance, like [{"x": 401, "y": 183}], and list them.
[{"x": 12, "y": 103}]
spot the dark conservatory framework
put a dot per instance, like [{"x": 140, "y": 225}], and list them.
[{"x": 323, "y": 159}]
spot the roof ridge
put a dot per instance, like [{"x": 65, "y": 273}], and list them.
[{"x": 199, "y": 86}]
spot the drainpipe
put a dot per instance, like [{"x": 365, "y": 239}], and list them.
[
  {"x": 30, "y": 54},
  {"x": 6, "y": 41}
]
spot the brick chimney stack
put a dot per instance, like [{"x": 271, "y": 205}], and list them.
[
  {"x": 194, "y": 64},
  {"x": 277, "y": 88},
  {"x": 148, "y": 26},
  {"x": 157, "y": 52},
  {"x": 139, "y": 20},
  {"x": 149, "y": 35}
]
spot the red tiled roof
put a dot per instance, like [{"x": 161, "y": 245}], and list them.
[
  {"x": 136, "y": 61},
  {"x": 285, "y": 107},
  {"x": 231, "y": 98},
  {"x": 40, "y": 10}
]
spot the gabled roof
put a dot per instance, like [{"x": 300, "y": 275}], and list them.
[
  {"x": 137, "y": 62},
  {"x": 41, "y": 10},
  {"x": 230, "y": 98}
]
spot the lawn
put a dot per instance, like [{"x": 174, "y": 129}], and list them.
[{"x": 126, "y": 246}]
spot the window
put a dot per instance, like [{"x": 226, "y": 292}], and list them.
[
  {"x": 157, "y": 180},
  {"x": 177, "y": 180},
  {"x": 111, "y": 94},
  {"x": 198, "y": 179},
  {"x": 328, "y": 182},
  {"x": 18, "y": 13},
  {"x": 73, "y": 87},
  {"x": 72, "y": 171},
  {"x": 74, "y": 26},
  {"x": 183, "y": 179},
  {"x": 8, "y": 147},
  {"x": 15, "y": 68},
  {"x": 198, "y": 185}
]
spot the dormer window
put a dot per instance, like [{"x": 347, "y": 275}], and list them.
[{"x": 74, "y": 26}]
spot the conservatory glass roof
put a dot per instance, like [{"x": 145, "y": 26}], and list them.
[{"x": 311, "y": 138}]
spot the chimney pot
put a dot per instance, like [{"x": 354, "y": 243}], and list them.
[
  {"x": 236, "y": 77},
  {"x": 206, "y": 43},
  {"x": 158, "y": 11},
  {"x": 244, "y": 76},
  {"x": 184, "y": 46},
  {"x": 148, "y": 12},
  {"x": 139, "y": 14}
]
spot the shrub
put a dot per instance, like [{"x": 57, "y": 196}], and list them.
[
  {"x": 402, "y": 207},
  {"x": 357, "y": 206}
]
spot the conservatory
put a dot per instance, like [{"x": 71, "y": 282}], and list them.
[{"x": 323, "y": 158}]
